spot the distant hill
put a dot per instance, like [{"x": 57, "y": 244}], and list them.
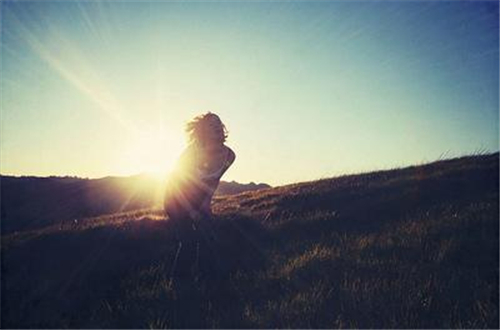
[
  {"x": 410, "y": 248},
  {"x": 34, "y": 202},
  {"x": 233, "y": 187}
]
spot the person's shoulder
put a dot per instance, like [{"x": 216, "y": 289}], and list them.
[
  {"x": 191, "y": 150},
  {"x": 192, "y": 147}
]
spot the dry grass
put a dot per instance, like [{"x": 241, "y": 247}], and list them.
[{"x": 408, "y": 248}]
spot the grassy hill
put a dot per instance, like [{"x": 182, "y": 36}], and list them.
[
  {"x": 36, "y": 202},
  {"x": 409, "y": 248}
]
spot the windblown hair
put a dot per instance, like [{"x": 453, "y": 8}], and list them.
[{"x": 206, "y": 128}]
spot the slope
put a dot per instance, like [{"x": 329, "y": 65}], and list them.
[
  {"x": 408, "y": 248},
  {"x": 36, "y": 202}
]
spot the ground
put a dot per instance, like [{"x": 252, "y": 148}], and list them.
[{"x": 407, "y": 248}]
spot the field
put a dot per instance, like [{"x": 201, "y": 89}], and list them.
[
  {"x": 29, "y": 203},
  {"x": 416, "y": 247}
]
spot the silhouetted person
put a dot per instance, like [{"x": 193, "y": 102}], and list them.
[{"x": 198, "y": 171}]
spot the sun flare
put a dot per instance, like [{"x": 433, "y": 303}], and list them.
[{"x": 153, "y": 154}]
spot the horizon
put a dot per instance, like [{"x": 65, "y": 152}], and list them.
[
  {"x": 444, "y": 158},
  {"x": 307, "y": 90},
  {"x": 150, "y": 175}
]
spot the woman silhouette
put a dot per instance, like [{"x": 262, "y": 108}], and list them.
[{"x": 198, "y": 170}]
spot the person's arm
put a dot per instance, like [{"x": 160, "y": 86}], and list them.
[
  {"x": 228, "y": 161},
  {"x": 231, "y": 156}
]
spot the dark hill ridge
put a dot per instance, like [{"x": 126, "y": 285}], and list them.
[
  {"x": 409, "y": 248},
  {"x": 34, "y": 202}
]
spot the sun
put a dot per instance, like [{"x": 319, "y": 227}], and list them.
[{"x": 153, "y": 154}]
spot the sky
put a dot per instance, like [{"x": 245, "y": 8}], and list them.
[{"x": 307, "y": 90}]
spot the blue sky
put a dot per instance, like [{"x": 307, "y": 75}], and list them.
[{"x": 307, "y": 90}]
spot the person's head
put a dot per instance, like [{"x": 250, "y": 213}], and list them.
[{"x": 206, "y": 129}]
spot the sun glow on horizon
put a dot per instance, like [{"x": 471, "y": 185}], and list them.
[{"x": 152, "y": 153}]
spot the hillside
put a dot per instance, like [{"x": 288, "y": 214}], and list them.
[
  {"x": 407, "y": 248},
  {"x": 36, "y": 202}
]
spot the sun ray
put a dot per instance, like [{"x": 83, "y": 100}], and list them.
[{"x": 75, "y": 72}]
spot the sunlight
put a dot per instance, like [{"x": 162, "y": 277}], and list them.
[
  {"x": 151, "y": 153},
  {"x": 149, "y": 150},
  {"x": 67, "y": 60}
]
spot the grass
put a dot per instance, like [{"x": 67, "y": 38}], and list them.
[{"x": 407, "y": 248}]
